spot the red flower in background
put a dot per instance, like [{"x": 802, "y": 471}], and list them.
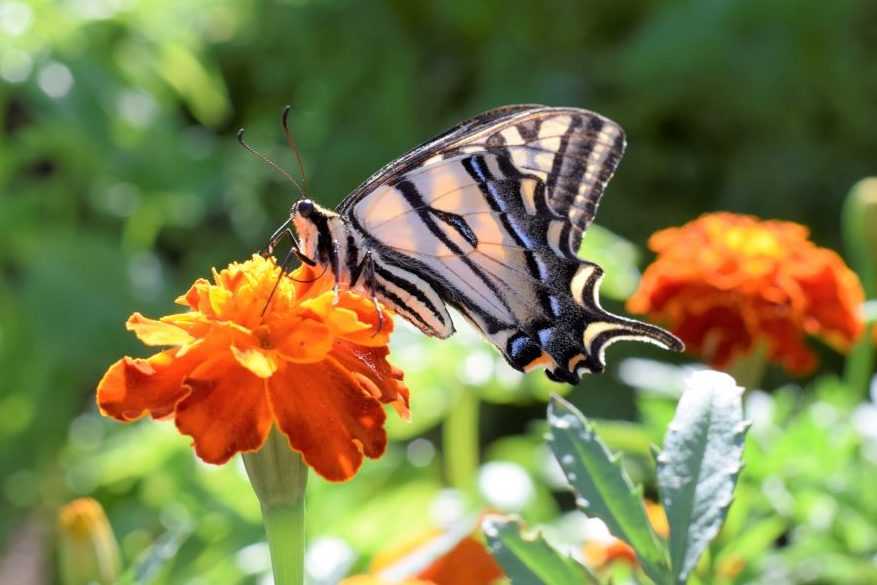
[
  {"x": 725, "y": 283},
  {"x": 312, "y": 364}
]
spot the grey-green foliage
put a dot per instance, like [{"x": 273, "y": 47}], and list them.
[
  {"x": 699, "y": 465},
  {"x": 530, "y": 560},
  {"x": 602, "y": 487},
  {"x": 697, "y": 472}
]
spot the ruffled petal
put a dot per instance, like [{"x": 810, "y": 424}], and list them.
[
  {"x": 303, "y": 340},
  {"x": 375, "y": 375},
  {"x": 261, "y": 363},
  {"x": 327, "y": 417},
  {"x": 342, "y": 320},
  {"x": 311, "y": 281},
  {"x": 132, "y": 387},
  {"x": 226, "y": 412},
  {"x": 468, "y": 563},
  {"x": 193, "y": 323},
  {"x": 152, "y": 332},
  {"x": 206, "y": 298}
]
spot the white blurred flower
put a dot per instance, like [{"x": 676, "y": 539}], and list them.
[
  {"x": 328, "y": 559},
  {"x": 15, "y": 18},
  {"x": 55, "y": 79},
  {"x": 506, "y": 486}
]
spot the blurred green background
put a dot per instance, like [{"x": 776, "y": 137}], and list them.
[{"x": 121, "y": 181}]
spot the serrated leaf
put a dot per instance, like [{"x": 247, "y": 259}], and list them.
[
  {"x": 698, "y": 468},
  {"x": 602, "y": 486},
  {"x": 530, "y": 560}
]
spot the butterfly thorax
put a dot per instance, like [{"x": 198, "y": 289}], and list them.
[{"x": 325, "y": 239}]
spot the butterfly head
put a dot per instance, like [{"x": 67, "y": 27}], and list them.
[{"x": 314, "y": 224}]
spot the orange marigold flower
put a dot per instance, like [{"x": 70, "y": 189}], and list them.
[
  {"x": 725, "y": 283},
  {"x": 602, "y": 552},
  {"x": 312, "y": 364},
  {"x": 467, "y": 562}
]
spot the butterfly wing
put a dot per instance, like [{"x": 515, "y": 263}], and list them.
[{"x": 488, "y": 218}]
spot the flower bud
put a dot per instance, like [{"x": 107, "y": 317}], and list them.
[
  {"x": 860, "y": 231},
  {"x": 88, "y": 550}
]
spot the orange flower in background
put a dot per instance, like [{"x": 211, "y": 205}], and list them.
[
  {"x": 312, "y": 364},
  {"x": 726, "y": 283},
  {"x": 438, "y": 559},
  {"x": 606, "y": 550}
]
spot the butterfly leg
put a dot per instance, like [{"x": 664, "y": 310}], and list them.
[
  {"x": 370, "y": 284},
  {"x": 286, "y": 230},
  {"x": 366, "y": 270},
  {"x": 336, "y": 273},
  {"x": 367, "y": 266}
]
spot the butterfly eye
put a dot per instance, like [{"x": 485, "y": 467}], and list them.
[{"x": 304, "y": 208}]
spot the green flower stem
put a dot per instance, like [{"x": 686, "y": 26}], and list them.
[
  {"x": 279, "y": 477},
  {"x": 460, "y": 440},
  {"x": 860, "y": 237},
  {"x": 284, "y": 527}
]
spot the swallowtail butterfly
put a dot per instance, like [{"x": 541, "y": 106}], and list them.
[{"x": 486, "y": 218}]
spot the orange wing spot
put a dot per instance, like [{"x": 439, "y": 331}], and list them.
[{"x": 543, "y": 360}]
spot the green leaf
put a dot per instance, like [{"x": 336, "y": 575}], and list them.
[
  {"x": 530, "y": 560},
  {"x": 602, "y": 487},
  {"x": 699, "y": 465},
  {"x": 156, "y": 558},
  {"x": 617, "y": 257}
]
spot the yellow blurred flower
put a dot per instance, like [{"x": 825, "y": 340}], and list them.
[{"x": 88, "y": 551}]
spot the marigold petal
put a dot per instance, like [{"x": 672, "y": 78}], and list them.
[
  {"x": 377, "y": 580},
  {"x": 311, "y": 281},
  {"x": 226, "y": 412},
  {"x": 376, "y": 376},
  {"x": 193, "y": 322},
  {"x": 378, "y": 318},
  {"x": 303, "y": 341},
  {"x": 468, "y": 563},
  {"x": 342, "y": 320},
  {"x": 132, "y": 387},
  {"x": 603, "y": 554},
  {"x": 152, "y": 332},
  {"x": 725, "y": 282},
  {"x": 327, "y": 417},
  {"x": 261, "y": 363},
  {"x": 206, "y": 298}
]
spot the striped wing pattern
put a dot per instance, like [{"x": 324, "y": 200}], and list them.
[{"x": 488, "y": 218}]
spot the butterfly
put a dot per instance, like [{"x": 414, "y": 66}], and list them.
[{"x": 486, "y": 218}]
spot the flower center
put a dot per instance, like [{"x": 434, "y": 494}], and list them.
[
  {"x": 263, "y": 334},
  {"x": 753, "y": 242}
]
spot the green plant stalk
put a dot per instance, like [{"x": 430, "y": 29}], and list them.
[
  {"x": 284, "y": 527},
  {"x": 460, "y": 440},
  {"x": 860, "y": 238},
  {"x": 279, "y": 478}
]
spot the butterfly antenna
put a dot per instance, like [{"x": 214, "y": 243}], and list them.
[
  {"x": 284, "y": 268},
  {"x": 268, "y": 161},
  {"x": 290, "y": 140}
]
